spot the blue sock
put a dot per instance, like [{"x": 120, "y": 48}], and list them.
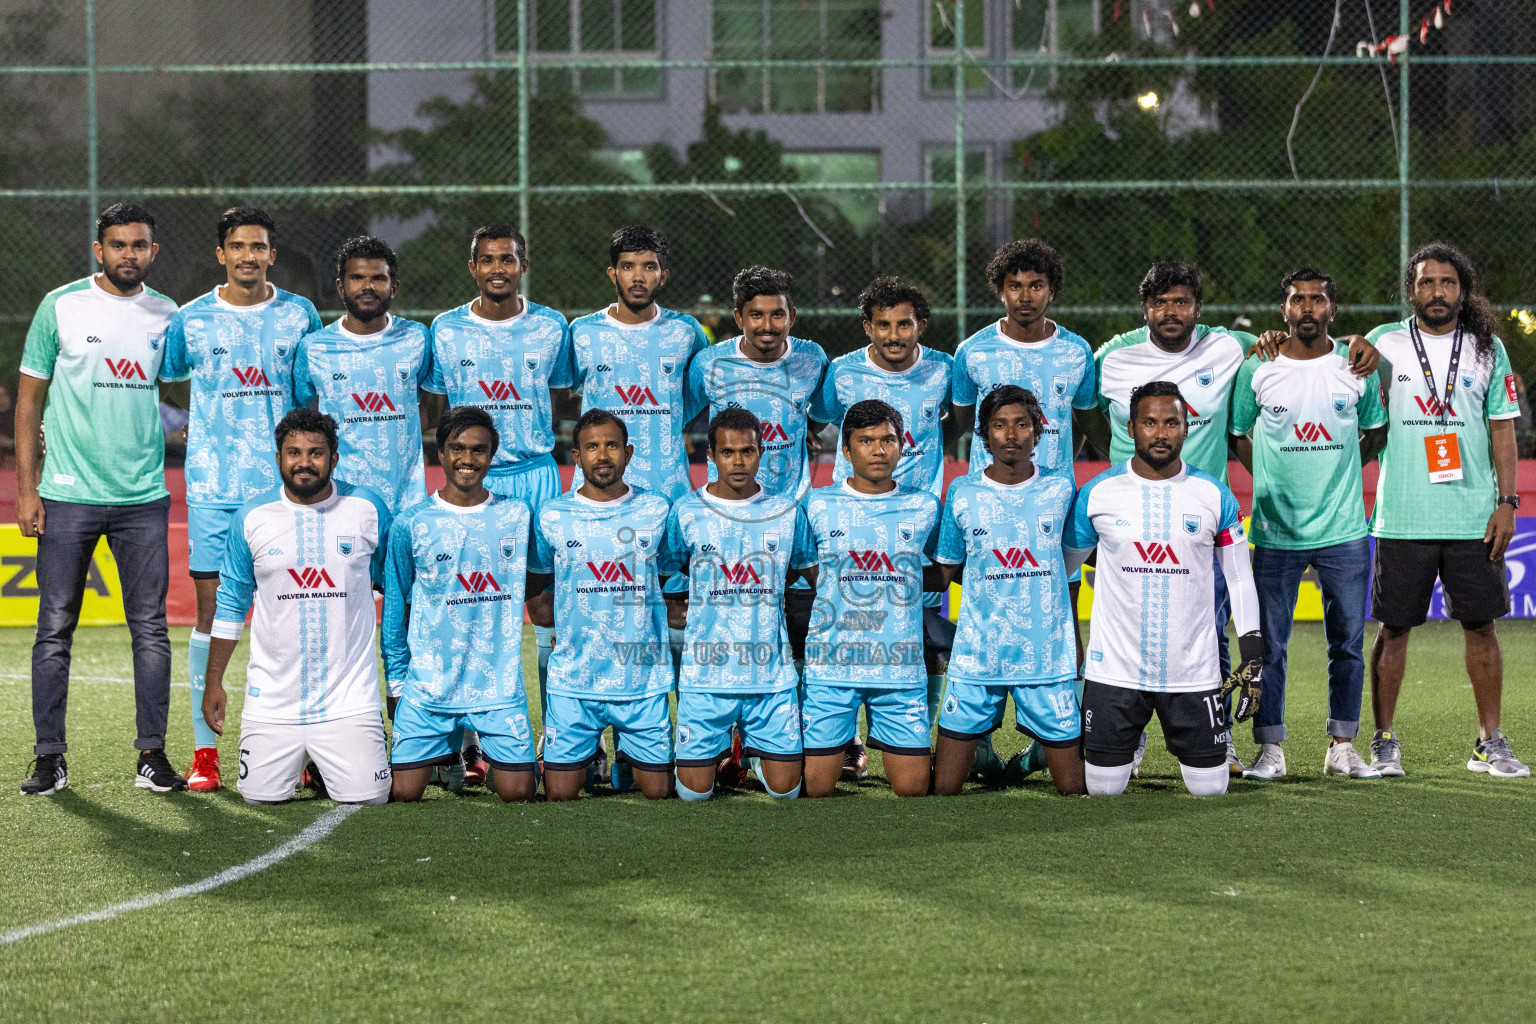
[
  {"x": 691, "y": 795},
  {"x": 935, "y": 694},
  {"x": 544, "y": 644},
  {"x": 771, "y": 791},
  {"x": 197, "y": 662}
]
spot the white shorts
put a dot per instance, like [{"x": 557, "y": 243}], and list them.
[{"x": 349, "y": 752}]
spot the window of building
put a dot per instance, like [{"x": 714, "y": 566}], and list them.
[
  {"x": 940, "y": 162},
  {"x": 1047, "y": 26},
  {"x": 941, "y": 44},
  {"x": 861, "y": 207},
  {"x": 560, "y": 30},
  {"x": 796, "y": 30}
]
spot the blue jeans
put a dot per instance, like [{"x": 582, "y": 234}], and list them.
[
  {"x": 1344, "y": 573},
  {"x": 136, "y": 536}
]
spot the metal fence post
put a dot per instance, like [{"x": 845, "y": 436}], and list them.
[
  {"x": 1402, "y": 159},
  {"x": 522, "y": 119},
  {"x": 959, "y": 172},
  {"x": 92, "y": 157}
]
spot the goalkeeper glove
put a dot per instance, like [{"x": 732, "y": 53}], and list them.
[{"x": 1247, "y": 679}]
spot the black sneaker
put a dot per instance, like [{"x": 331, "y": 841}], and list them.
[
  {"x": 156, "y": 774},
  {"x": 311, "y": 780},
  {"x": 49, "y": 775}
]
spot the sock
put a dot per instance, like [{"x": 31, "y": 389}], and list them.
[
  {"x": 544, "y": 644},
  {"x": 935, "y": 694},
  {"x": 197, "y": 661},
  {"x": 1205, "y": 781},
  {"x": 986, "y": 753},
  {"x": 775, "y": 793},
  {"x": 692, "y": 795},
  {"x": 675, "y": 641},
  {"x": 471, "y": 739},
  {"x": 1110, "y": 781}
]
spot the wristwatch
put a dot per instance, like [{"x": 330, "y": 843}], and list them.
[{"x": 1512, "y": 500}]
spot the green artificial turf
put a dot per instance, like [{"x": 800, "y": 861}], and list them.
[{"x": 1306, "y": 899}]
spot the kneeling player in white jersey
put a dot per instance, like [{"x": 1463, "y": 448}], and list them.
[
  {"x": 611, "y": 665},
  {"x": 453, "y": 620},
  {"x": 1017, "y": 635},
  {"x": 741, "y": 548},
  {"x": 310, "y": 555},
  {"x": 865, "y": 642},
  {"x": 1161, "y": 528}
]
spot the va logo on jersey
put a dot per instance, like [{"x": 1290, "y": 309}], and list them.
[
  {"x": 344, "y": 545},
  {"x": 1308, "y": 432},
  {"x": 478, "y": 582},
  {"x": 1047, "y": 524},
  {"x": 872, "y": 560},
  {"x": 403, "y": 370},
  {"x": 635, "y": 394},
  {"x": 1206, "y": 377},
  {"x": 774, "y": 432},
  {"x": 1154, "y": 553},
  {"x": 125, "y": 369},
  {"x": 1427, "y": 406},
  {"x": 530, "y": 361},
  {"x": 1191, "y": 524},
  {"x": 251, "y": 376},
  {"x": 741, "y": 572},
  {"x": 509, "y": 547},
  {"x": 1340, "y": 403},
  {"x": 1059, "y": 385},
  {"x": 906, "y": 530},
  {"x": 499, "y": 391},
  {"x": 373, "y": 401},
  {"x": 310, "y": 578},
  {"x": 610, "y": 572},
  {"x": 1016, "y": 558}
]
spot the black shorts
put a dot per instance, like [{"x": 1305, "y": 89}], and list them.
[
  {"x": 798, "y": 604},
  {"x": 1476, "y": 590},
  {"x": 1194, "y": 724}
]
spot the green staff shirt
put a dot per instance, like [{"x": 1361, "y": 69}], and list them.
[
  {"x": 1408, "y": 506},
  {"x": 101, "y": 354}
]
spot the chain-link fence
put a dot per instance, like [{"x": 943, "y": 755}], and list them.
[{"x": 838, "y": 139}]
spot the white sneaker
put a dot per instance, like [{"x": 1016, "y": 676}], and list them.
[
  {"x": 1343, "y": 759},
  {"x": 1234, "y": 763},
  {"x": 1268, "y": 766}
]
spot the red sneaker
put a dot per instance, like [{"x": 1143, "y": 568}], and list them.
[
  {"x": 730, "y": 772},
  {"x": 475, "y": 767},
  {"x": 203, "y": 776}
]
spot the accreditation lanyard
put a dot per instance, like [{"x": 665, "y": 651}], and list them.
[{"x": 1442, "y": 450}]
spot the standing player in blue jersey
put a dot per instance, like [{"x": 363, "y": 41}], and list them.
[
  {"x": 453, "y": 619},
  {"x": 507, "y": 355},
  {"x": 915, "y": 381},
  {"x": 1162, "y": 528},
  {"x": 865, "y": 647},
  {"x": 741, "y": 548},
  {"x": 236, "y": 343},
  {"x": 310, "y": 555},
  {"x": 1028, "y": 349},
  {"x": 612, "y": 666},
  {"x": 366, "y": 371},
  {"x": 1016, "y": 635}
]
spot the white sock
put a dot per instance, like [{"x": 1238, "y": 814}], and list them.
[
  {"x": 1205, "y": 781},
  {"x": 1109, "y": 781},
  {"x": 692, "y": 795}
]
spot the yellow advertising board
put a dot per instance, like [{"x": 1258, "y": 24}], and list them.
[{"x": 103, "y": 603}]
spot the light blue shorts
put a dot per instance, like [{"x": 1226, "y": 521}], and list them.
[
  {"x": 1048, "y": 712},
  {"x": 207, "y": 535},
  {"x": 573, "y": 724},
  {"x": 898, "y": 719},
  {"x": 533, "y": 482},
  {"x": 423, "y": 737},
  {"x": 769, "y": 723}
]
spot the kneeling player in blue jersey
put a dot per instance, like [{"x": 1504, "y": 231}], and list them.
[
  {"x": 1161, "y": 527},
  {"x": 453, "y": 619},
  {"x": 741, "y": 548},
  {"x": 865, "y": 643},
  {"x": 611, "y": 664},
  {"x": 1016, "y": 634}
]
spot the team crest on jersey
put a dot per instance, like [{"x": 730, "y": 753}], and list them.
[
  {"x": 282, "y": 349},
  {"x": 798, "y": 398},
  {"x": 1340, "y": 403},
  {"x": 1466, "y": 377},
  {"x": 930, "y": 408},
  {"x": 508, "y": 547},
  {"x": 1047, "y": 524},
  {"x": 530, "y": 361},
  {"x": 403, "y": 370},
  {"x": 1206, "y": 377},
  {"x": 906, "y": 530},
  {"x": 668, "y": 364},
  {"x": 344, "y": 545},
  {"x": 1191, "y": 524},
  {"x": 770, "y": 542},
  {"x": 643, "y": 540},
  {"x": 1059, "y": 384},
  {"x": 155, "y": 337}
]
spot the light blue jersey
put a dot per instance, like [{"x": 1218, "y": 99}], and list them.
[
  {"x": 507, "y": 368},
  {"x": 1059, "y": 371},
  {"x": 453, "y": 604},
  {"x": 779, "y": 394},
  {"x": 639, "y": 373},
  {"x": 739, "y": 554},
  {"x": 610, "y": 619},
  {"x": 867, "y": 631},
  {"x": 368, "y": 383},
  {"x": 240, "y": 361},
  {"x": 920, "y": 393},
  {"x": 1015, "y": 623}
]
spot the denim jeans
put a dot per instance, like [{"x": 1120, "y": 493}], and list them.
[
  {"x": 1344, "y": 573},
  {"x": 136, "y": 536}
]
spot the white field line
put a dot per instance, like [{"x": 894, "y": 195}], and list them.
[{"x": 312, "y": 834}]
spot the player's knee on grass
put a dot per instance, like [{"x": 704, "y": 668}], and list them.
[
  {"x": 655, "y": 785},
  {"x": 1067, "y": 769},
  {"x": 409, "y": 784},
  {"x": 1210, "y": 781},
  {"x": 560, "y": 785},
  {"x": 952, "y": 764},
  {"x": 782, "y": 779},
  {"x": 691, "y": 795},
  {"x": 908, "y": 774},
  {"x": 514, "y": 787},
  {"x": 821, "y": 774}
]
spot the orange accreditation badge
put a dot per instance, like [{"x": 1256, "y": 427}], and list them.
[{"x": 1444, "y": 457}]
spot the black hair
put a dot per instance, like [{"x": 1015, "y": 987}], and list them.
[
  {"x": 1166, "y": 275},
  {"x": 461, "y": 418},
  {"x": 1309, "y": 274},
  {"x": 1158, "y": 389},
  {"x": 245, "y": 216},
  {"x": 1476, "y": 316},
  {"x": 119, "y": 214},
  {"x": 638, "y": 238},
  {"x": 760, "y": 280},
  {"x": 870, "y": 413},
  {"x": 306, "y": 421},
  {"x": 890, "y": 292},
  {"x": 734, "y": 417},
  {"x": 494, "y": 231},
  {"x": 1026, "y": 254},
  {"x": 1010, "y": 394},
  {"x": 596, "y": 418},
  {"x": 366, "y": 247}
]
